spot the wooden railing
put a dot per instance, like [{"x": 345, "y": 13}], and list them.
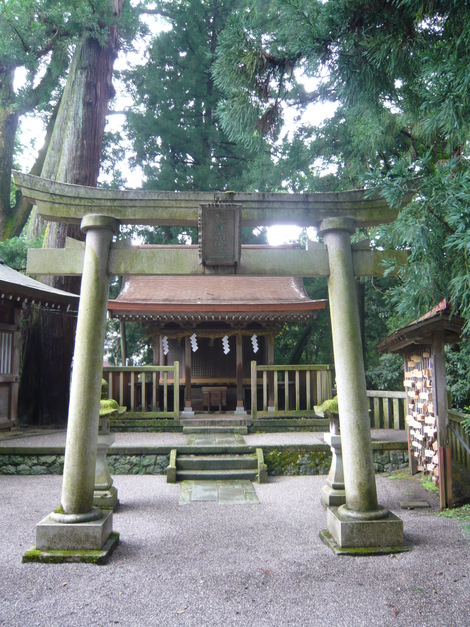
[
  {"x": 289, "y": 390},
  {"x": 459, "y": 439},
  {"x": 145, "y": 389},
  {"x": 387, "y": 410}
]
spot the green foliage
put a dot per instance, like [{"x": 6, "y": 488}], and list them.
[
  {"x": 428, "y": 484},
  {"x": 457, "y": 513},
  {"x": 139, "y": 347},
  {"x": 398, "y": 71},
  {"x": 37, "y": 34},
  {"x": 27, "y": 27},
  {"x": 13, "y": 251},
  {"x": 175, "y": 136},
  {"x": 311, "y": 343},
  {"x": 466, "y": 423},
  {"x": 458, "y": 373}
]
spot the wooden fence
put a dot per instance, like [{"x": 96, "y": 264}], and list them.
[
  {"x": 289, "y": 390},
  {"x": 459, "y": 439},
  {"x": 145, "y": 389},
  {"x": 387, "y": 410}
]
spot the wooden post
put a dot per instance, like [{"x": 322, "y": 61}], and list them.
[
  {"x": 156, "y": 362},
  {"x": 15, "y": 368},
  {"x": 239, "y": 359},
  {"x": 270, "y": 348},
  {"x": 254, "y": 391},
  {"x": 122, "y": 328},
  {"x": 176, "y": 392},
  {"x": 187, "y": 375},
  {"x": 440, "y": 401}
]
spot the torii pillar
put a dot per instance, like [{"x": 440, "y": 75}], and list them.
[
  {"x": 84, "y": 532},
  {"x": 361, "y": 524}
]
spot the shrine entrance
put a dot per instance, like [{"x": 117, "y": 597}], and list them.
[{"x": 359, "y": 524}]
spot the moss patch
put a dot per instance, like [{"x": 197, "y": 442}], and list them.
[
  {"x": 98, "y": 557},
  {"x": 297, "y": 462},
  {"x": 399, "y": 474}
]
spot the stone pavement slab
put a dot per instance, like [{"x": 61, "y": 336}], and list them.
[{"x": 236, "y": 492}]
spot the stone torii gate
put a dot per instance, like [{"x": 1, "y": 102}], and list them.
[{"x": 361, "y": 524}]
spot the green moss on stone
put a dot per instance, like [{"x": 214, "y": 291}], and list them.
[
  {"x": 328, "y": 407},
  {"x": 89, "y": 556},
  {"x": 110, "y": 407},
  {"x": 297, "y": 462}
]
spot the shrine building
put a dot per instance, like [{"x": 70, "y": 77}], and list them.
[{"x": 214, "y": 326}]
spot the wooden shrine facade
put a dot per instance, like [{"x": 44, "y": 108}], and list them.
[
  {"x": 17, "y": 291},
  {"x": 215, "y": 326}
]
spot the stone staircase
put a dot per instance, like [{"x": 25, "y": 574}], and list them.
[
  {"x": 215, "y": 463},
  {"x": 216, "y": 423}
]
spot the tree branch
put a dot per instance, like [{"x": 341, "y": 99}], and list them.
[{"x": 22, "y": 208}]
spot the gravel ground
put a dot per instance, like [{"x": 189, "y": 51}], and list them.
[{"x": 255, "y": 565}]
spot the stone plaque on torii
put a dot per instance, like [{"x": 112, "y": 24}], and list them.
[{"x": 361, "y": 522}]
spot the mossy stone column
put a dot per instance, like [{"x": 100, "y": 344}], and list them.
[
  {"x": 83, "y": 420},
  {"x": 359, "y": 476}
]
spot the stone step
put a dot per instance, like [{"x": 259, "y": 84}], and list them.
[
  {"x": 218, "y": 429},
  {"x": 216, "y": 462},
  {"x": 216, "y": 475},
  {"x": 215, "y": 422}
]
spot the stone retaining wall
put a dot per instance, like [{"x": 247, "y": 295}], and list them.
[{"x": 288, "y": 460}]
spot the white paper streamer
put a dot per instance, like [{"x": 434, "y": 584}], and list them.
[
  {"x": 165, "y": 345},
  {"x": 193, "y": 340}
]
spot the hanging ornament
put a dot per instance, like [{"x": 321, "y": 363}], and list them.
[
  {"x": 254, "y": 341},
  {"x": 225, "y": 344},
  {"x": 193, "y": 340},
  {"x": 165, "y": 345}
]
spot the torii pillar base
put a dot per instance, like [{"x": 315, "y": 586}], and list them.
[
  {"x": 92, "y": 541},
  {"x": 346, "y": 536}
]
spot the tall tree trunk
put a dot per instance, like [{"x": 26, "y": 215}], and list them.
[
  {"x": 73, "y": 157},
  {"x": 8, "y": 126}
]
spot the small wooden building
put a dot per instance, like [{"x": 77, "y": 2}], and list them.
[
  {"x": 17, "y": 290},
  {"x": 422, "y": 345},
  {"x": 215, "y": 326}
]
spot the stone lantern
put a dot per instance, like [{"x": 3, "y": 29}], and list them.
[{"x": 105, "y": 494}]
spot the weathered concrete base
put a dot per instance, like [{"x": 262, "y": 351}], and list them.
[
  {"x": 106, "y": 499},
  {"x": 385, "y": 532},
  {"x": 86, "y": 536},
  {"x": 99, "y": 557},
  {"x": 332, "y": 497},
  {"x": 361, "y": 551}
]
